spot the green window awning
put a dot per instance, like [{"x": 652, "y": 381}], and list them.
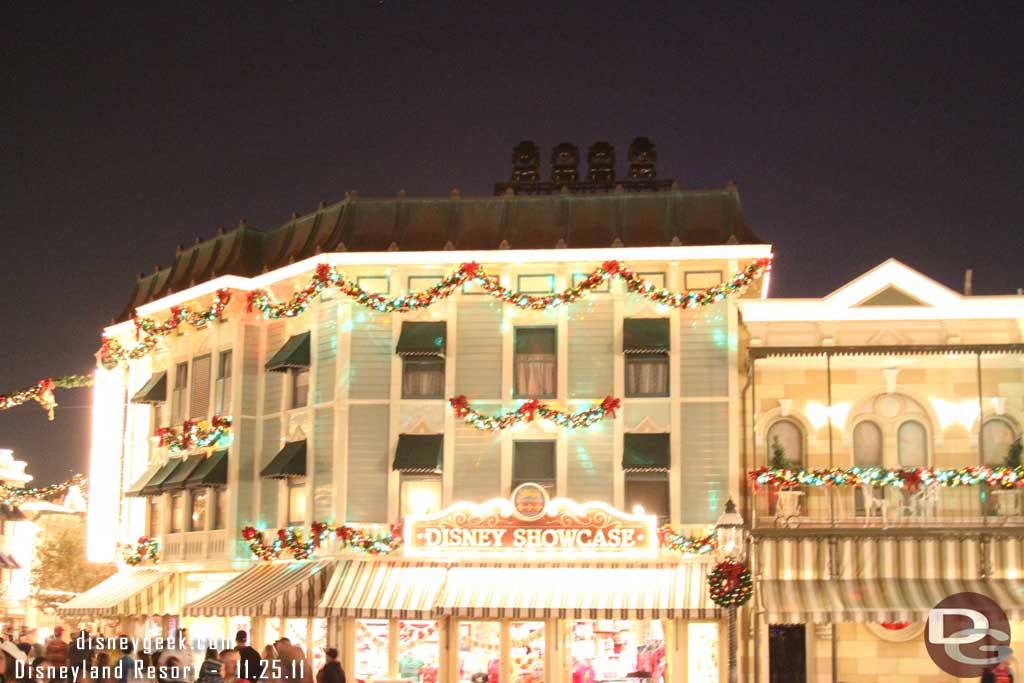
[
  {"x": 294, "y": 354},
  {"x": 646, "y": 453},
  {"x": 176, "y": 480},
  {"x": 419, "y": 453},
  {"x": 152, "y": 487},
  {"x": 290, "y": 461},
  {"x": 212, "y": 471},
  {"x": 153, "y": 391},
  {"x": 422, "y": 339},
  {"x": 533, "y": 461},
  {"x": 136, "y": 488},
  {"x": 646, "y": 335}
]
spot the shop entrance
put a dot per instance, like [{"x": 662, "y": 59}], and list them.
[
  {"x": 481, "y": 651},
  {"x": 787, "y": 656}
]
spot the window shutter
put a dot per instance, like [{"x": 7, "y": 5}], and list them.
[{"x": 200, "y": 403}]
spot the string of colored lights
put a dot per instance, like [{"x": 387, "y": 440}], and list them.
[
  {"x": 146, "y": 549},
  {"x": 531, "y": 410},
  {"x": 324, "y": 276},
  {"x": 198, "y": 434},
  {"x": 13, "y": 496},
  {"x": 291, "y": 540},
  {"x": 686, "y": 545},
  {"x": 149, "y": 332},
  {"x": 906, "y": 478},
  {"x": 42, "y": 392}
]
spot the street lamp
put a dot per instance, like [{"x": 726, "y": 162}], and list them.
[{"x": 731, "y": 534}]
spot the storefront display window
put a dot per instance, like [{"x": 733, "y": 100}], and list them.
[
  {"x": 608, "y": 650},
  {"x": 418, "y": 651},
  {"x": 527, "y": 651},
  {"x": 479, "y": 652},
  {"x": 703, "y": 639},
  {"x": 371, "y": 648}
]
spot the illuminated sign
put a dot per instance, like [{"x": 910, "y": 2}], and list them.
[{"x": 529, "y": 522}]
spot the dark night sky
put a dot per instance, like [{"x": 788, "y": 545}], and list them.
[{"x": 854, "y": 135}]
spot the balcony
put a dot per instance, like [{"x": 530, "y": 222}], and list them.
[
  {"x": 888, "y": 507},
  {"x": 194, "y": 545}
]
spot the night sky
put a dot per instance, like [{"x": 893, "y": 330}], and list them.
[{"x": 853, "y": 135}]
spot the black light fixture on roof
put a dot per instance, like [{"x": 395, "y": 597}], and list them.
[
  {"x": 601, "y": 162},
  {"x": 565, "y": 161},
  {"x": 643, "y": 156},
  {"x": 526, "y": 162}
]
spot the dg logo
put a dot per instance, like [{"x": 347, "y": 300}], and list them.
[{"x": 967, "y": 633}]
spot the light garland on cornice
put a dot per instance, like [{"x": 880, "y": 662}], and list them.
[{"x": 532, "y": 410}]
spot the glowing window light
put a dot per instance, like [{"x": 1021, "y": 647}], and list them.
[{"x": 104, "y": 463}]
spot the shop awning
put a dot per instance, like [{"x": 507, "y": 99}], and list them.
[
  {"x": 138, "y": 592},
  {"x": 212, "y": 471},
  {"x": 368, "y": 589},
  {"x": 268, "y": 589},
  {"x": 646, "y": 453},
  {"x": 419, "y": 453},
  {"x": 422, "y": 339},
  {"x": 290, "y": 461},
  {"x": 176, "y": 479},
  {"x": 294, "y": 354},
  {"x": 645, "y": 335},
  {"x": 823, "y": 601},
  {"x": 153, "y": 391},
  {"x": 153, "y": 486},
  {"x": 579, "y": 592}
]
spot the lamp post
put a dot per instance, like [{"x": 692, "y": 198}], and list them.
[{"x": 731, "y": 534}]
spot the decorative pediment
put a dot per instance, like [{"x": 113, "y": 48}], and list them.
[{"x": 892, "y": 284}]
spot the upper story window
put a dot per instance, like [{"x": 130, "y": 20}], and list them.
[
  {"x": 646, "y": 461},
  {"x": 296, "y": 501},
  {"x": 912, "y": 444},
  {"x": 536, "y": 362},
  {"x": 223, "y": 390},
  {"x": 177, "y": 511},
  {"x": 199, "y": 403},
  {"x": 219, "y": 500},
  {"x": 785, "y": 444},
  {"x": 419, "y": 458},
  {"x": 199, "y": 500},
  {"x": 180, "y": 394},
  {"x": 293, "y": 358},
  {"x": 646, "y": 343},
  {"x": 998, "y": 436},
  {"x": 867, "y": 444},
  {"x": 300, "y": 388},
  {"x": 534, "y": 461},
  {"x": 154, "y": 516},
  {"x": 422, "y": 348},
  {"x": 154, "y": 392}
]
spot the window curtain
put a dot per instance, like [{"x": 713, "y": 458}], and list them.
[
  {"x": 536, "y": 374},
  {"x": 647, "y": 376},
  {"x": 423, "y": 380}
]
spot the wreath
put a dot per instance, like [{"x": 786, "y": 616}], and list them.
[{"x": 730, "y": 584}]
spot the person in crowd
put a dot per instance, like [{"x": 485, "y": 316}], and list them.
[
  {"x": 272, "y": 672},
  {"x": 229, "y": 662},
  {"x": 56, "y": 648},
  {"x": 36, "y": 663},
  {"x": 104, "y": 668},
  {"x": 331, "y": 671},
  {"x": 293, "y": 661},
  {"x": 209, "y": 671},
  {"x": 80, "y": 654},
  {"x": 125, "y": 663},
  {"x": 249, "y": 667}
]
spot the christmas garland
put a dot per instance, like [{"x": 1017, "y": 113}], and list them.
[
  {"x": 910, "y": 478},
  {"x": 42, "y": 392},
  {"x": 13, "y": 496},
  {"x": 730, "y": 584},
  {"x": 531, "y": 410},
  {"x": 291, "y": 540},
  {"x": 145, "y": 549},
  {"x": 686, "y": 545},
  {"x": 195, "y": 434},
  {"x": 149, "y": 332},
  {"x": 261, "y": 300}
]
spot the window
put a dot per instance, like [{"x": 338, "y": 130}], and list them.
[
  {"x": 867, "y": 445},
  {"x": 912, "y": 444},
  {"x": 534, "y": 461},
  {"x": 423, "y": 377},
  {"x": 997, "y": 436},
  {"x": 154, "y": 516},
  {"x": 197, "y": 521},
  {"x": 296, "y": 501},
  {"x": 420, "y": 494},
  {"x": 536, "y": 364},
  {"x": 647, "y": 374},
  {"x": 649, "y": 489},
  {"x": 159, "y": 417},
  {"x": 786, "y": 443},
  {"x": 179, "y": 394},
  {"x": 220, "y": 508},
  {"x": 177, "y": 512},
  {"x": 223, "y": 401},
  {"x": 199, "y": 405},
  {"x": 300, "y": 388}
]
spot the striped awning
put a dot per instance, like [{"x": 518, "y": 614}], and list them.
[
  {"x": 665, "y": 591},
  {"x": 138, "y": 592},
  {"x": 876, "y": 600},
  {"x": 270, "y": 589},
  {"x": 369, "y": 589}
]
